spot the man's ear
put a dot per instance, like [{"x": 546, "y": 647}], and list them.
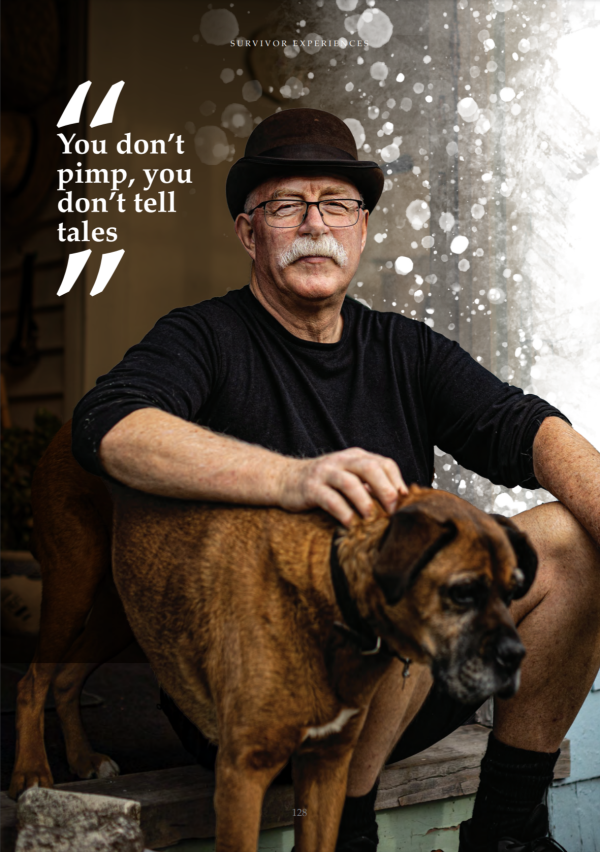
[
  {"x": 364, "y": 226},
  {"x": 524, "y": 551},
  {"x": 245, "y": 231},
  {"x": 411, "y": 540}
]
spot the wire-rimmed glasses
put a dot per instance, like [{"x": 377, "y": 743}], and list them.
[{"x": 291, "y": 212}]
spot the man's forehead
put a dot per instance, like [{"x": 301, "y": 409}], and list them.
[{"x": 290, "y": 186}]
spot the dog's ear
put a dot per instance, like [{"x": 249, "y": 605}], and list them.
[
  {"x": 526, "y": 556},
  {"x": 411, "y": 540}
]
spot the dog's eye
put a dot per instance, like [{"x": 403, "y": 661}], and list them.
[
  {"x": 518, "y": 580},
  {"x": 468, "y": 594}
]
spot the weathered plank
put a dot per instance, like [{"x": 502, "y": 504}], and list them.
[
  {"x": 178, "y": 803},
  {"x": 448, "y": 769}
]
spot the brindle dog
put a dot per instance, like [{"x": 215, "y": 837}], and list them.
[{"x": 270, "y": 630}]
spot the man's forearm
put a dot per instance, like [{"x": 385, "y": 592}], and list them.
[
  {"x": 569, "y": 467},
  {"x": 154, "y": 451}
]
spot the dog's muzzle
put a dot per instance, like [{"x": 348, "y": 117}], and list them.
[{"x": 480, "y": 667}]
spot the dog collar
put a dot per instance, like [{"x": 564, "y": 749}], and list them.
[{"x": 355, "y": 626}]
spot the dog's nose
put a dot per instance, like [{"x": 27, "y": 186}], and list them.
[{"x": 509, "y": 653}]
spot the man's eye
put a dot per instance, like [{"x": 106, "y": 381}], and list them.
[
  {"x": 337, "y": 207},
  {"x": 284, "y": 208}
]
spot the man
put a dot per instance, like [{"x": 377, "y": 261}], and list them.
[{"x": 285, "y": 393}]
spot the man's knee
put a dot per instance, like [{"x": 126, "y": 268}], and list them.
[{"x": 568, "y": 557}]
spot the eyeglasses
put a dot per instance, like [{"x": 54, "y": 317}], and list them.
[{"x": 291, "y": 212}]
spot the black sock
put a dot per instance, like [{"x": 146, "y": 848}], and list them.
[
  {"x": 513, "y": 781},
  {"x": 358, "y": 817}
]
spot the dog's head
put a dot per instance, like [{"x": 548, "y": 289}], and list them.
[{"x": 448, "y": 573}]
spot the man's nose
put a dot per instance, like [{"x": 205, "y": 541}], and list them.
[{"x": 313, "y": 223}]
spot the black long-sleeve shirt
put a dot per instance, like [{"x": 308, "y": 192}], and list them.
[{"x": 390, "y": 385}]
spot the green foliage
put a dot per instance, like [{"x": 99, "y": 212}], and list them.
[{"x": 21, "y": 451}]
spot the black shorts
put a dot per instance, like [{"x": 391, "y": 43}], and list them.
[{"x": 439, "y": 716}]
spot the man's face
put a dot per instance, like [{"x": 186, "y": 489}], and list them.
[{"x": 284, "y": 260}]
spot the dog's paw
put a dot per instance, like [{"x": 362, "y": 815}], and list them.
[
  {"x": 21, "y": 781},
  {"x": 94, "y": 766},
  {"x": 107, "y": 767}
]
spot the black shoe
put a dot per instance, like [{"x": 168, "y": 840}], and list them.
[
  {"x": 366, "y": 839},
  {"x": 535, "y": 837},
  {"x": 359, "y": 843}
]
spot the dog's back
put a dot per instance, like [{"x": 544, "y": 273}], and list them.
[{"x": 204, "y": 585}]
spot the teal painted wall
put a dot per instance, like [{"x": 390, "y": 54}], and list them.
[
  {"x": 420, "y": 828},
  {"x": 575, "y": 815},
  {"x": 574, "y": 803}
]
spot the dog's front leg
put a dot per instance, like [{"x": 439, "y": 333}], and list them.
[
  {"x": 241, "y": 783},
  {"x": 320, "y": 780}
]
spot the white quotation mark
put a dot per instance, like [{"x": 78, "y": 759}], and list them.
[
  {"x": 78, "y": 260},
  {"x": 104, "y": 115}
]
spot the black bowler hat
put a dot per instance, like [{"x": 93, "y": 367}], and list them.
[{"x": 301, "y": 142}]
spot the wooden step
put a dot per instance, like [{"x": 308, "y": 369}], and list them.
[{"x": 178, "y": 803}]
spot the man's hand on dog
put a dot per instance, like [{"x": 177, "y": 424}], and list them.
[{"x": 341, "y": 483}]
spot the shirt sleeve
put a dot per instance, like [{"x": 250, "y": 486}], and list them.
[
  {"x": 487, "y": 425},
  {"x": 174, "y": 368}
]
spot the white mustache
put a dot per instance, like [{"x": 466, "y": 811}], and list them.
[{"x": 325, "y": 246}]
